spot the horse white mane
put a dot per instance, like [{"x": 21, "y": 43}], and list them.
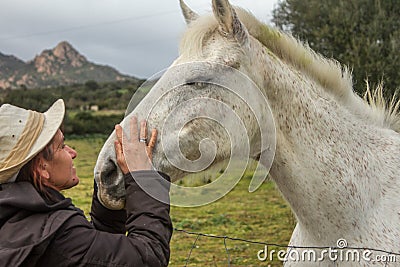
[{"x": 329, "y": 73}]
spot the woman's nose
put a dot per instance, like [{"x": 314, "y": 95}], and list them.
[{"x": 71, "y": 151}]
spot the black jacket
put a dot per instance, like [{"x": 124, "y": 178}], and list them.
[{"x": 35, "y": 232}]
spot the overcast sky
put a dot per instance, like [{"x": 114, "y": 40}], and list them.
[{"x": 137, "y": 37}]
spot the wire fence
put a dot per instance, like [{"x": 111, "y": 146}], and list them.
[{"x": 390, "y": 258}]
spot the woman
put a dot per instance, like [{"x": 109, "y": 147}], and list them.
[{"x": 39, "y": 227}]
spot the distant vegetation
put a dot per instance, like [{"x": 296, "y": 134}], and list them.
[
  {"x": 92, "y": 108},
  {"x": 363, "y": 34}
]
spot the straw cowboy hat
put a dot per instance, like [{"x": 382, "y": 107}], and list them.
[{"x": 23, "y": 134}]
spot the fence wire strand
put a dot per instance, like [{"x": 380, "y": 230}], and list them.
[
  {"x": 191, "y": 249},
  {"x": 227, "y": 251}
]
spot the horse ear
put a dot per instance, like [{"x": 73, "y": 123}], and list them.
[
  {"x": 189, "y": 14},
  {"x": 229, "y": 23}
]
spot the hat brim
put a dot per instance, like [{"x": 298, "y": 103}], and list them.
[{"x": 54, "y": 117}]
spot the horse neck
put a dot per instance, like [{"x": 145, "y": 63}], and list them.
[{"x": 322, "y": 150}]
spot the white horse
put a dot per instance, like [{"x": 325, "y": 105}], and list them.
[{"x": 337, "y": 158}]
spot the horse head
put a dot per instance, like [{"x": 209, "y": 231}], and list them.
[{"x": 205, "y": 107}]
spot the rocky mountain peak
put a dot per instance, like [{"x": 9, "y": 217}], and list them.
[
  {"x": 65, "y": 51},
  {"x": 60, "y": 65},
  {"x": 52, "y": 61}
]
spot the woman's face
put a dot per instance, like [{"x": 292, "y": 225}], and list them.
[{"x": 60, "y": 169}]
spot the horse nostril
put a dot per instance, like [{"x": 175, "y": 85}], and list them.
[
  {"x": 109, "y": 171},
  {"x": 111, "y": 186}
]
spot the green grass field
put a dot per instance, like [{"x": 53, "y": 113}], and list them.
[{"x": 262, "y": 216}]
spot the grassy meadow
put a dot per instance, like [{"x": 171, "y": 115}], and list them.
[{"x": 262, "y": 216}]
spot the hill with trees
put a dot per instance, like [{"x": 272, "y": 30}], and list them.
[{"x": 92, "y": 107}]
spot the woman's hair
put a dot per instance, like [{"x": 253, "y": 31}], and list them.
[{"x": 29, "y": 172}]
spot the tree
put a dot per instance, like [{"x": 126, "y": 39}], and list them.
[
  {"x": 362, "y": 34},
  {"x": 92, "y": 85}
]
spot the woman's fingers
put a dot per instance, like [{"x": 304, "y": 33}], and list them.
[
  {"x": 134, "y": 129},
  {"x": 119, "y": 152},
  {"x": 118, "y": 132},
  {"x": 138, "y": 151},
  {"x": 120, "y": 157},
  {"x": 152, "y": 143},
  {"x": 143, "y": 131}
]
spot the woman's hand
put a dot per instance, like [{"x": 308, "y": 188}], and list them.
[{"x": 134, "y": 154}]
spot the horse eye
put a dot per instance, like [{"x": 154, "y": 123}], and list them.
[{"x": 197, "y": 85}]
